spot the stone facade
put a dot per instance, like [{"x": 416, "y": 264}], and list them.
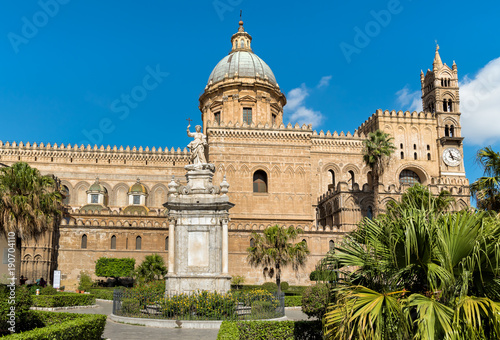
[{"x": 279, "y": 173}]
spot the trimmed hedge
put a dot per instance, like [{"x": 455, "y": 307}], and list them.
[
  {"x": 63, "y": 300},
  {"x": 113, "y": 267},
  {"x": 293, "y": 301},
  {"x": 104, "y": 294},
  {"x": 14, "y": 306},
  {"x": 61, "y": 326},
  {"x": 270, "y": 330}
]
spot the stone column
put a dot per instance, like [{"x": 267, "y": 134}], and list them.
[
  {"x": 171, "y": 245},
  {"x": 225, "y": 249}
]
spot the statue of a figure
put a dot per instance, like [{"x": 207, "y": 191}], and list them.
[{"x": 197, "y": 146}]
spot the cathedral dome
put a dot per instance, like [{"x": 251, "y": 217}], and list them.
[
  {"x": 241, "y": 62},
  {"x": 138, "y": 188}
]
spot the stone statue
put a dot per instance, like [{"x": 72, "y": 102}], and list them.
[{"x": 197, "y": 146}]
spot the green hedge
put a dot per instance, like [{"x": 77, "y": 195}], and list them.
[
  {"x": 272, "y": 330},
  {"x": 63, "y": 300},
  {"x": 14, "y": 306},
  {"x": 62, "y": 326},
  {"x": 293, "y": 301},
  {"x": 113, "y": 267},
  {"x": 104, "y": 294}
]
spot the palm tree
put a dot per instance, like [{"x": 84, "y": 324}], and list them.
[
  {"x": 420, "y": 272},
  {"x": 273, "y": 250},
  {"x": 487, "y": 188},
  {"x": 152, "y": 268},
  {"x": 30, "y": 204},
  {"x": 377, "y": 151}
]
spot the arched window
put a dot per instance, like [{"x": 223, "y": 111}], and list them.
[
  {"x": 369, "y": 212},
  {"x": 166, "y": 243},
  {"x": 401, "y": 145},
  {"x": 331, "y": 245},
  {"x": 65, "y": 192},
  {"x": 304, "y": 241},
  {"x": 332, "y": 175},
  {"x": 351, "y": 177},
  {"x": 113, "y": 242},
  {"x": 402, "y": 155},
  {"x": 408, "y": 177},
  {"x": 445, "y": 106},
  {"x": 138, "y": 243},
  {"x": 428, "y": 147},
  {"x": 415, "y": 155},
  {"x": 259, "y": 181},
  {"x": 452, "y": 131},
  {"x": 369, "y": 179},
  {"x": 414, "y": 146},
  {"x": 84, "y": 242},
  {"x": 446, "y": 131},
  {"x": 449, "y": 105},
  {"x": 428, "y": 156},
  {"x": 242, "y": 43},
  {"x": 252, "y": 242}
]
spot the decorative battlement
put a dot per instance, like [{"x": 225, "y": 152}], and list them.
[
  {"x": 260, "y": 126},
  {"x": 108, "y": 152},
  {"x": 394, "y": 115}
]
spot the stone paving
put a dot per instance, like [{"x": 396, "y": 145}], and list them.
[{"x": 119, "y": 331}]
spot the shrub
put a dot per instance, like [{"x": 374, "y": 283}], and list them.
[
  {"x": 263, "y": 309},
  {"x": 63, "y": 300},
  {"x": 263, "y": 330},
  {"x": 270, "y": 286},
  {"x": 284, "y": 286},
  {"x": 228, "y": 331},
  {"x": 323, "y": 275},
  {"x": 22, "y": 303},
  {"x": 147, "y": 293},
  {"x": 113, "y": 267},
  {"x": 130, "y": 306},
  {"x": 85, "y": 281},
  {"x": 48, "y": 290},
  {"x": 293, "y": 301},
  {"x": 237, "y": 280},
  {"x": 32, "y": 289},
  {"x": 104, "y": 294},
  {"x": 315, "y": 300},
  {"x": 64, "y": 326}
]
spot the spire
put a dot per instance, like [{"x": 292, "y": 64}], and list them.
[
  {"x": 241, "y": 40},
  {"x": 437, "y": 58}
]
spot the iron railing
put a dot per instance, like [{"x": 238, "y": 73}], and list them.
[{"x": 200, "y": 305}]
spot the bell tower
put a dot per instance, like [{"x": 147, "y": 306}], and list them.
[{"x": 440, "y": 96}]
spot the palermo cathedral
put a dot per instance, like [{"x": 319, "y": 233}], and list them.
[{"x": 278, "y": 173}]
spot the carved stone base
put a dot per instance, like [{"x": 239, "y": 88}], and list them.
[{"x": 176, "y": 284}]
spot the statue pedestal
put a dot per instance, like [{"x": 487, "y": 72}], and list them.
[{"x": 198, "y": 216}]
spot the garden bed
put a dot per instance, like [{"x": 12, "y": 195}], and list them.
[
  {"x": 62, "y": 326},
  {"x": 63, "y": 300},
  {"x": 270, "y": 330}
]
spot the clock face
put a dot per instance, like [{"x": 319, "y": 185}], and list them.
[{"x": 452, "y": 156}]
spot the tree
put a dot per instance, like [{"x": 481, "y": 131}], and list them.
[
  {"x": 377, "y": 150},
  {"x": 421, "y": 272},
  {"x": 152, "y": 268},
  {"x": 486, "y": 189},
  {"x": 273, "y": 250},
  {"x": 114, "y": 267},
  {"x": 30, "y": 204}
]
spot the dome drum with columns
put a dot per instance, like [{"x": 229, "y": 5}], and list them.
[{"x": 242, "y": 88}]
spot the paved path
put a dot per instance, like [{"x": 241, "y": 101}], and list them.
[{"x": 119, "y": 331}]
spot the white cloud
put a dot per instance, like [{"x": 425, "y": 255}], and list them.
[
  {"x": 296, "y": 108},
  {"x": 410, "y": 101},
  {"x": 324, "y": 82},
  {"x": 480, "y": 105}
]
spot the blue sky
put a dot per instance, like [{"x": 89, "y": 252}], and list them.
[{"x": 68, "y": 66}]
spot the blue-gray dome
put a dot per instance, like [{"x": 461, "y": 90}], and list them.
[{"x": 242, "y": 64}]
